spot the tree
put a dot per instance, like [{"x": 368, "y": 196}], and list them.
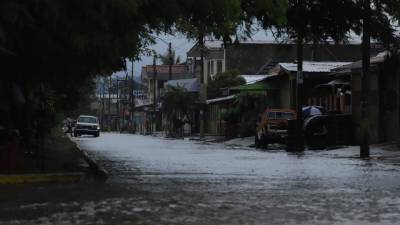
[
  {"x": 321, "y": 20},
  {"x": 377, "y": 22},
  {"x": 62, "y": 45},
  {"x": 169, "y": 58},
  {"x": 178, "y": 106},
  {"x": 243, "y": 115},
  {"x": 223, "y": 80},
  {"x": 202, "y": 19}
]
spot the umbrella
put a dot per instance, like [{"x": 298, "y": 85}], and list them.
[{"x": 311, "y": 111}]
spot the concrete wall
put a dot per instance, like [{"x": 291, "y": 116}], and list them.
[
  {"x": 373, "y": 107},
  {"x": 389, "y": 102},
  {"x": 383, "y": 104}
]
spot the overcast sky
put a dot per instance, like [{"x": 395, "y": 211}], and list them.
[{"x": 181, "y": 45}]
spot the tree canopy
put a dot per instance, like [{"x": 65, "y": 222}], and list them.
[
  {"x": 178, "y": 105},
  {"x": 62, "y": 45},
  {"x": 169, "y": 58},
  {"x": 223, "y": 80},
  {"x": 322, "y": 20}
]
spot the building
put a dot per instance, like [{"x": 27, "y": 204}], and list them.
[
  {"x": 252, "y": 57},
  {"x": 275, "y": 61},
  {"x": 113, "y": 102},
  {"x": 154, "y": 79},
  {"x": 383, "y": 97},
  {"x": 315, "y": 74}
]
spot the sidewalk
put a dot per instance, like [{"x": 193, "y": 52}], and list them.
[
  {"x": 241, "y": 142},
  {"x": 58, "y": 161},
  {"x": 377, "y": 151}
]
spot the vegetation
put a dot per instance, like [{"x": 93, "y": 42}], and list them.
[
  {"x": 169, "y": 58},
  {"x": 223, "y": 80},
  {"x": 60, "y": 46},
  {"x": 243, "y": 115},
  {"x": 178, "y": 107}
]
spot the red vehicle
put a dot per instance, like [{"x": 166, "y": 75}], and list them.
[{"x": 272, "y": 126}]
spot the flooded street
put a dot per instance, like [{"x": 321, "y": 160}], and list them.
[{"x": 159, "y": 181}]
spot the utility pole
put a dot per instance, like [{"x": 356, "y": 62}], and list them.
[
  {"x": 203, "y": 87},
  {"x": 125, "y": 102},
  {"x": 102, "y": 101},
  {"x": 118, "y": 113},
  {"x": 170, "y": 61},
  {"x": 299, "y": 89},
  {"x": 109, "y": 103},
  {"x": 132, "y": 101},
  {"x": 154, "y": 91},
  {"x": 366, "y": 55}
]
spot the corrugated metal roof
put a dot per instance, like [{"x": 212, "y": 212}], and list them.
[
  {"x": 257, "y": 86},
  {"x": 251, "y": 79},
  {"x": 222, "y": 99},
  {"x": 313, "y": 67},
  {"x": 213, "y": 44},
  {"x": 379, "y": 58}
]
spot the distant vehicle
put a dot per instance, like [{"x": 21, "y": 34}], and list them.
[
  {"x": 272, "y": 126},
  {"x": 87, "y": 125}
]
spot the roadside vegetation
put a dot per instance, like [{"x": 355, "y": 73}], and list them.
[
  {"x": 222, "y": 81},
  {"x": 59, "y": 46}
]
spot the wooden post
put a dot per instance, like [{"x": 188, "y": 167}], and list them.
[
  {"x": 203, "y": 88},
  {"x": 299, "y": 89},
  {"x": 153, "y": 124},
  {"x": 366, "y": 55}
]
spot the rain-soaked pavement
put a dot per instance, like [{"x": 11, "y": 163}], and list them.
[{"x": 159, "y": 181}]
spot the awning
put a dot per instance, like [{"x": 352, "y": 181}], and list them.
[
  {"x": 334, "y": 83},
  {"x": 222, "y": 99},
  {"x": 259, "y": 86},
  {"x": 314, "y": 67}
]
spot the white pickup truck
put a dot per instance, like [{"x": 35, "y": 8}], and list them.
[{"x": 87, "y": 125}]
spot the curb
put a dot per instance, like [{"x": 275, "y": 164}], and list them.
[
  {"x": 98, "y": 172},
  {"x": 41, "y": 178}
]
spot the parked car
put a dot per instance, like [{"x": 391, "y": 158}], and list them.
[
  {"x": 87, "y": 125},
  {"x": 272, "y": 126}
]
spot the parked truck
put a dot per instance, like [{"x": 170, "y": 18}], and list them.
[{"x": 272, "y": 126}]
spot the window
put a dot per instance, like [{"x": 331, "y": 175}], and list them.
[
  {"x": 219, "y": 66},
  {"x": 284, "y": 115},
  {"x": 280, "y": 115},
  {"x": 271, "y": 115},
  {"x": 85, "y": 119},
  {"x": 209, "y": 68}
]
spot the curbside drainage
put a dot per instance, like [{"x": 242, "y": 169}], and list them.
[
  {"x": 42, "y": 178},
  {"x": 95, "y": 172}
]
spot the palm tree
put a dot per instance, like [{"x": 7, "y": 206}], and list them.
[{"x": 169, "y": 58}]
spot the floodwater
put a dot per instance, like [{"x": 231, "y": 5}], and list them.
[{"x": 159, "y": 181}]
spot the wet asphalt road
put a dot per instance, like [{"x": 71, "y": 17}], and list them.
[{"x": 159, "y": 181}]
